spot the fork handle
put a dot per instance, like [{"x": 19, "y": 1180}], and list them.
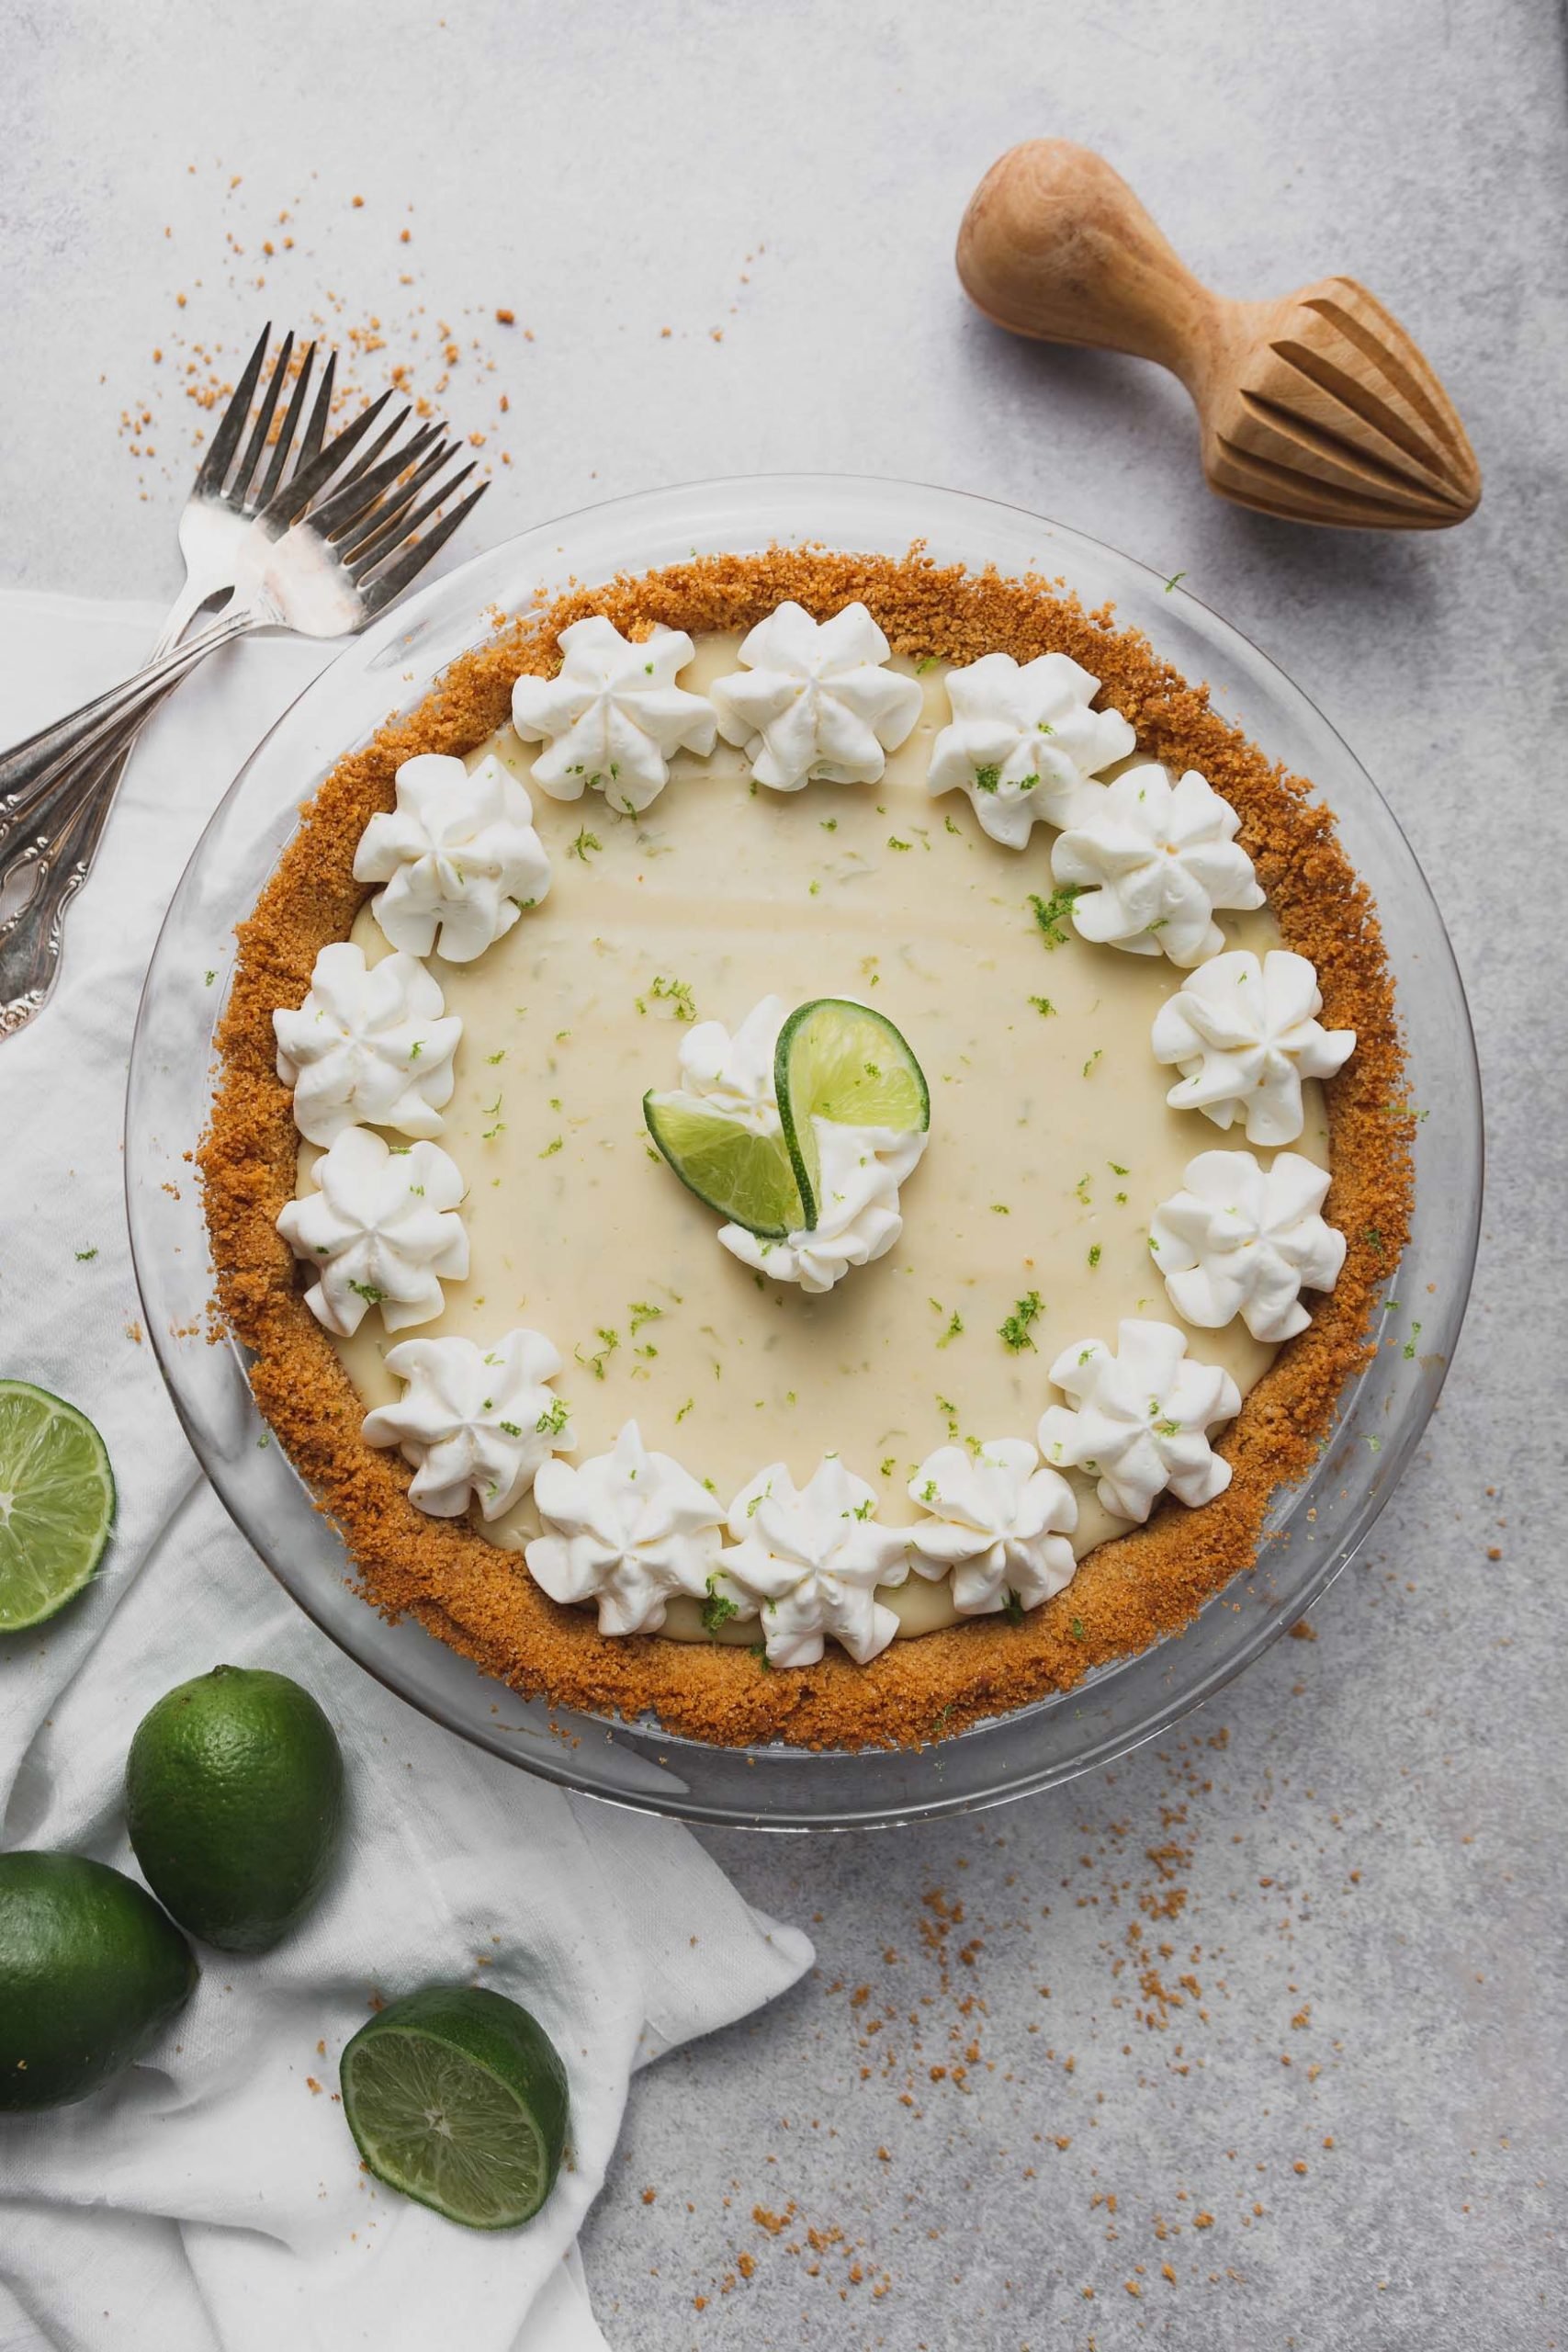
[{"x": 31, "y": 769}]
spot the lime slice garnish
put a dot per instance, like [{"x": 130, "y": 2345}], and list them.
[
  {"x": 747, "y": 1177},
  {"x": 844, "y": 1063},
  {"x": 455, "y": 2096},
  {"x": 56, "y": 1503}
]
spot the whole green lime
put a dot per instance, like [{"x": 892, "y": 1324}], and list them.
[
  {"x": 91, "y": 1972},
  {"x": 233, "y": 1797},
  {"x": 458, "y": 2097}
]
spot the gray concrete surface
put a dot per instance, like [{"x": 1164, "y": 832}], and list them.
[{"x": 1298, "y": 2078}]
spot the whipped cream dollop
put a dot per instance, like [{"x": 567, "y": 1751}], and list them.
[
  {"x": 1244, "y": 1034},
  {"x": 381, "y": 1229},
  {"x": 613, "y": 716},
  {"x": 858, "y": 1218},
  {"x": 1025, "y": 742},
  {"x": 1244, "y": 1239},
  {"x": 371, "y": 1046},
  {"x": 997, "y": 1520},
  {"x": 627, "y": 1529},
  {"x": 474, "y": 1422},
  {"x": 813, "y": 699},
  {"x": 736, "y": 1073},
  {"x": 1139, "y": 1417},
  {"x": 458, "y": 857},
  {"x": 1152, "y": 860},
  {"x": 808, "y": 1560}
]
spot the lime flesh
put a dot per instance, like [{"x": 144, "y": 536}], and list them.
[
  {"x": 457, "y": 2097},
  {"x": 844, "y": 1063},
  {"x": 56, "y": 1503},
  {"x": 747, "y": 1177}
]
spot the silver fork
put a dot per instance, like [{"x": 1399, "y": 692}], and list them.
[
  {"x": 224, "y": 499},
  {"x": 316, "y": 549}
]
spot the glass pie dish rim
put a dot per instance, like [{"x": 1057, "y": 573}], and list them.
[{"x": 1121, "y": 1704}]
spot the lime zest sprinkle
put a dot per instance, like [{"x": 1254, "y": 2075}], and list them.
[
  {"x": 717, "y": 1609},
  {"x": 1051, "y": 914},
  {"x": 677, "y": 994},
  {"x": 609, "y": 1341},
  {"x": 1014, "y": 1332}
]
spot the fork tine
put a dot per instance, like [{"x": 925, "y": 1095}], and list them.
[
  {"x": 286, "y": 431},
  {"x": 378, "y": 530},
  {"x": 372, "y": 555},
  {"x": 353, "y": 498},
  {"x": 321, "y": 415},
  {"x": 378, "y": 593},
  {"x": 290, "y": 503},
  {"x": 362, "y": 463},
  {"x": 226, "y": 440},
  {"x": 263, "y": 426}
]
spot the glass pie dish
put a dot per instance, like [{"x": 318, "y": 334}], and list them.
[{"x": 1314, "y": 1528}]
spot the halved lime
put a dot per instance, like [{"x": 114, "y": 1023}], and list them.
[
  {"x": 457, "y": 2097},
  {"x": 747, "y": 1177},
  {"x": 56, "y": 1503},
  {"x": 843, "y": 1062}
]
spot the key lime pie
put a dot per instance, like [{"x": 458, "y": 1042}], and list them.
[{"x": 801, "y": 1149}]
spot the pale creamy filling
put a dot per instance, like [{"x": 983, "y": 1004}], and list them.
[{"x": 1051, "y": 1142}]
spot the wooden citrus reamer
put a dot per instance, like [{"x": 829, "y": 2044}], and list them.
[{"x": 1319, "y": 407}]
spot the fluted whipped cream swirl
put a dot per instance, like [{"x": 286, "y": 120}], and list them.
[
  {"x": 613, "y": 716},
  {"x": 382, "y": 1229},
  {"x": 477, "y": 1423},
  {"x": 628, "y": 1530},
  {"x": 1243, "y": 1239},
  {"x": 1023, "y": 742},
  {"x": 807, "y": 1561},
  {"x": 996, "y": 1521},
  {"x": 1151, "y": 861},
  {"x": 813, "y": 699},
  {"x": 1138, "y": 1417},
  {"x": 458, "y": 857},
  {"x": 1244, "y": 1034},
  {"x": 371, "y": 1046}
]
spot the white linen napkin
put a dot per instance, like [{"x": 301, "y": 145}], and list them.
[{"x": 211, "y": 2199}]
